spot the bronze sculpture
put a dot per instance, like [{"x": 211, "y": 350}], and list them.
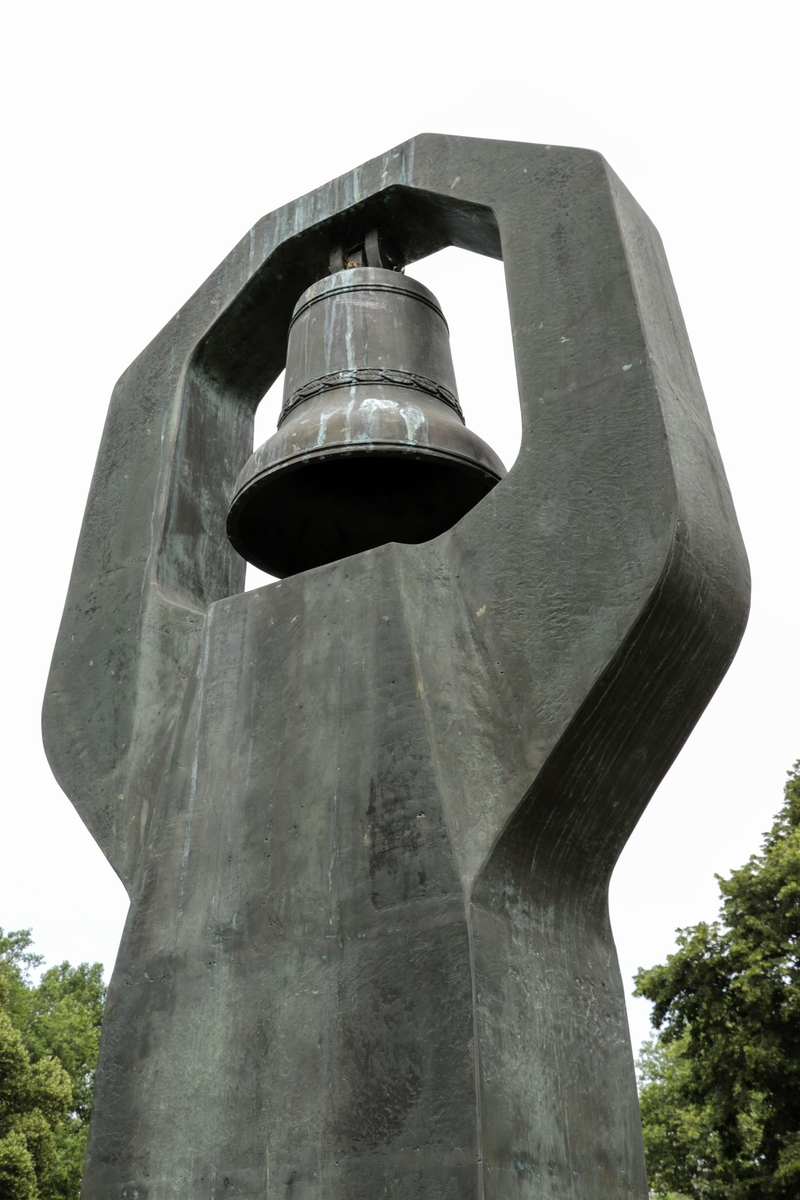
[{"x": 367, "y": 815}]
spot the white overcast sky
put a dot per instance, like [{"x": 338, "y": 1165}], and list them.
[{"x": 143, "y": 140}]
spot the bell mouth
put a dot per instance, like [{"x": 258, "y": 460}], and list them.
[{"x": 326, "y": 506}]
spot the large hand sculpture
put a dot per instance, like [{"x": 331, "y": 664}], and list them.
[{"x": 367, "y": 816}]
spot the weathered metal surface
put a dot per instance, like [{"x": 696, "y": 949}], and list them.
[
  {"x": 367, "y": 816},
  {"x": 371, "y": 444}
]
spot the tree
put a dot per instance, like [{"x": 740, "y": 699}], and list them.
[
  {"x": 720, "y": 1092},
  {"x": 49, "y": 1038}
]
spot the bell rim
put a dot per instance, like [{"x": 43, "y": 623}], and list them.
[{"x": 294, "y": 462}]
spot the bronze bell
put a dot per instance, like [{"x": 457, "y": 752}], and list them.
[{"x": 371, "y": 444}]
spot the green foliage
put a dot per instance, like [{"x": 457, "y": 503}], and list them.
[
  {"x": 720, "y": 1092},
  {"x": 49, "y": 1038}
]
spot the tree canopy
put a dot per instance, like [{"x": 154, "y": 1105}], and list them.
[
  {"x": 720, "y": 1093},
  {"x": 49, "y": 1038}
]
